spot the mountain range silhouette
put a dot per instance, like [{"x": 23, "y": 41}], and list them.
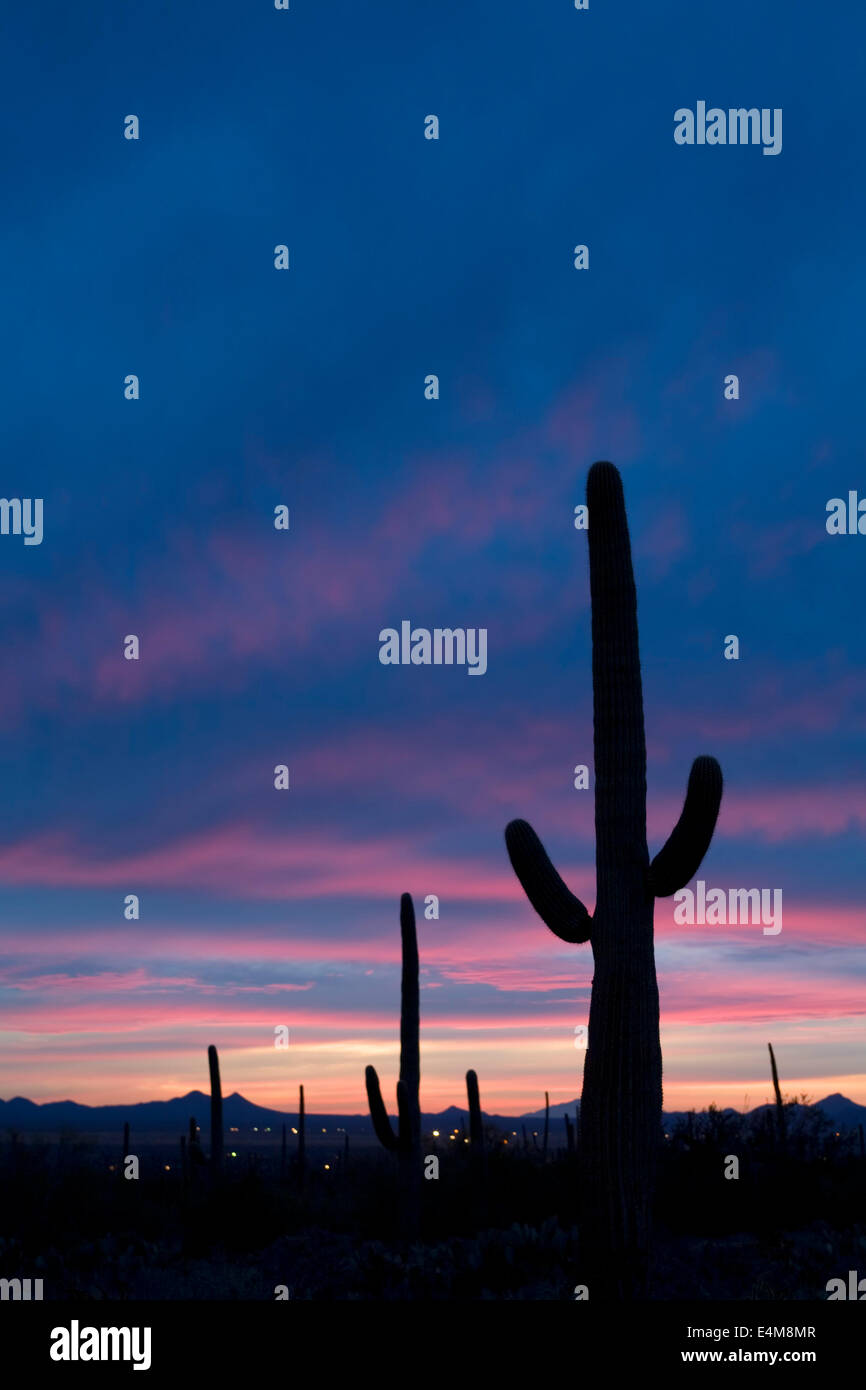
[{"x": 162, "y": 1115}]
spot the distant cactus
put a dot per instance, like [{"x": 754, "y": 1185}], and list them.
[
  {"x": 476, "y": 1132},
  {"x": 406, "y": 1143},
  {"x": 216, "y": 1113},
  {"x": 302, "y": 1139},
  {"x": 780, "y": 1108},
  {"x": 569, "y": 1134},
  {"x": 621, "y": 1102},
  {"x": 194, "y": 1153}
]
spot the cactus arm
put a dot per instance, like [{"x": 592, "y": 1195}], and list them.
[
  {"x": 680, "y": 858},
  {"x": 378, "y": 1113},
  {"x": 555, "y": 904}
]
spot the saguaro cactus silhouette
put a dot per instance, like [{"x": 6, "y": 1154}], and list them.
[
  {"x": 216, "y": 1112},
  {"x": 302, "y": 1138},
  {"x": 621, "y": 1102},
  {"x": 476, "y": 1129},
  {"x": 406, "y": 1143},
  {"x": 781, "y": 1131},
  {"x": 569, "y": 1134}
]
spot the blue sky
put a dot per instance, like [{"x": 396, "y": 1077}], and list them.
[{"x": 305, "y": 387}]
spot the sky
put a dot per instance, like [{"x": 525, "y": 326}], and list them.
[{"x": 306, "y": 388}]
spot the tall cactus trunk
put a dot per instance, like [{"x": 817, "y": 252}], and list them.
[
  {"x": 410, "y": 1069},
  {"x": 546, "y": 1123},
  {"x": 621, "y": 1102},
  {"x": 406, "y": 1143},
  {"x": 781, "y": 1129},
  {"x": 302, "y": 1139},
  {"x": 216, "y": 1114}
]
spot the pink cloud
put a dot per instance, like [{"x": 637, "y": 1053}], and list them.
[{"x": 247, "y": 862}]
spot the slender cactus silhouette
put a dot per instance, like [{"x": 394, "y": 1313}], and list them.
[
  {"x": 569, "y": 1134},
  {"x": 781, "y": 1130},
  {"x": 216, "y": 1113},
  {"x": 302, "y": 1139},
  {"x": 406, "y": 1143},
  {"x": 621, "y": 1102},
  {"x": 476, "y": 1131},
  {"x": 477, "y": 1149}
]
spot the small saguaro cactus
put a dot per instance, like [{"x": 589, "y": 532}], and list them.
[
  {"x": 476, "y": 1131},
  {"x": 406, "y": 1143},
  {"x": 621, "y": 1103},
  {"x": 569, "y": 1134},
  {"x": 196, "y": 1157},
  {"x": 302, "y": 1138},
  {"x": 781, "y": 1133},
  {"x": 216, "y": 1112}
]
